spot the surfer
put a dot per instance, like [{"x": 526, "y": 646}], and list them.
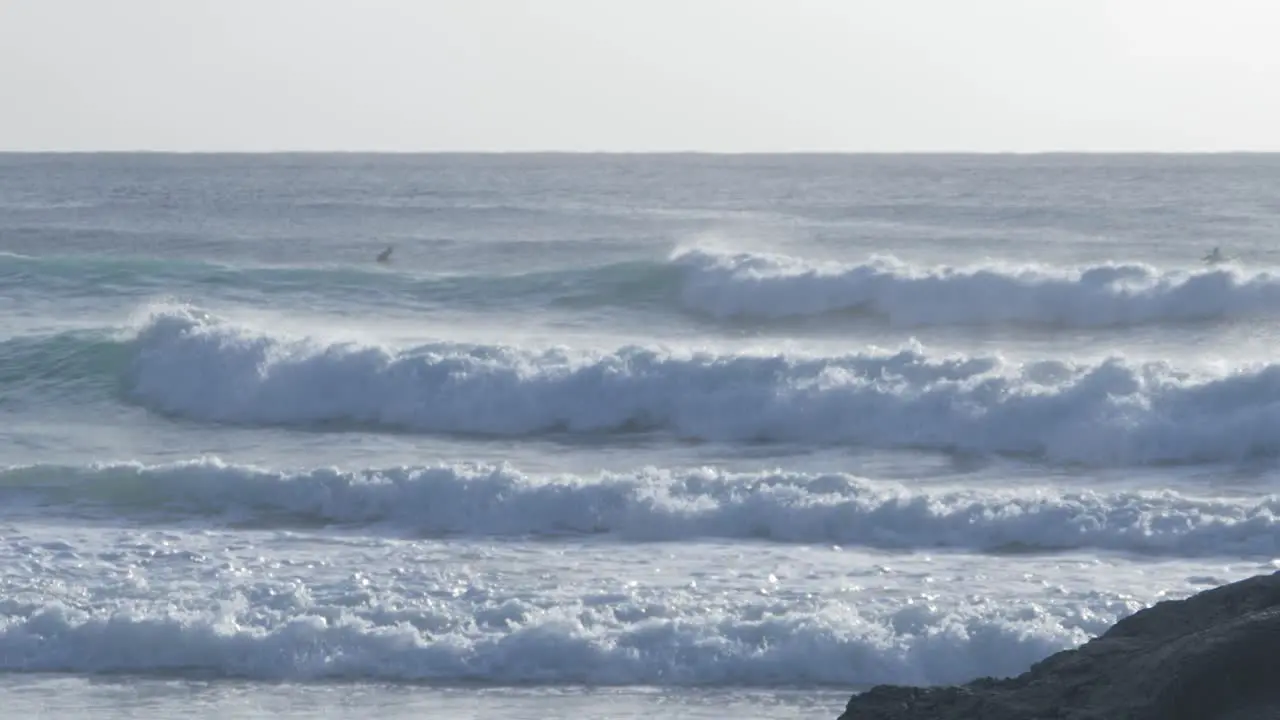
[
  {"x": 1215, "y": 257},
  {"x": 385, "y": 255}
]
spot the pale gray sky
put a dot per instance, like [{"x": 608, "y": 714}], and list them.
[{"x": 640, "y": 75}]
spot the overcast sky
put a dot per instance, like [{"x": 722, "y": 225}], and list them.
[{"x": 640, "y": 75}]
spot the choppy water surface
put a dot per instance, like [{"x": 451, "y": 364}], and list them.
[{"x": 612, "y": 436}]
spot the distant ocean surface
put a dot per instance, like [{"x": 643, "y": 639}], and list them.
[{"x": 615, "y": 436}]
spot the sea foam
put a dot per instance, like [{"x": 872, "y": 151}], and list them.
[
  {"x": 761, "y": 285},
  {"x": 1112, "y": 412},
  {"x": 659, "y": 505}
]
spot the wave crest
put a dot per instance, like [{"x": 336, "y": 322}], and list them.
[
  {"x": 1111, "y": 412},
  {"x": 765, "y": 286},
  {"x": 742, "y": 287},
  {"x": 661, "y": 505}
]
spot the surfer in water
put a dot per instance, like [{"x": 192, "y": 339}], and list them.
[
  {"x": 385, "y": 255},
  {"x": 1215, "y": 257}
]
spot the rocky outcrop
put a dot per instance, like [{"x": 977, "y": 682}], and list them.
[{"x": 1213, "y": 656}]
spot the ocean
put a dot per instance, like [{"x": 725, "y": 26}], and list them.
[{"x": 614, "y": 435}]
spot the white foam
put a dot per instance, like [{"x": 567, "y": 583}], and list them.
[
  {"x": 517, "y": 642},
  {"x": 1112, "y": 412},
  {"x": 749, "y": 284},
  {"x": 666, "y": 505},
  {"x": 273, "y": 606}
]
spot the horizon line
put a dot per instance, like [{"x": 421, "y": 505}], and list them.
[{"x": 725, "y": 153}]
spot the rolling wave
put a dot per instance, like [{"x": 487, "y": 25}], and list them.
[
  {"x": 658, "y": 505},
  {"x": 720, "y": 287},
  {"x": 762, "y": 286},
  {"x": 196, "y": 366},
  {"x": 288, "y": 631},
  {"x": 186, "y": 363}
]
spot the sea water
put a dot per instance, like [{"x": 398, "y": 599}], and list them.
[{"x": 610, "y": 436}]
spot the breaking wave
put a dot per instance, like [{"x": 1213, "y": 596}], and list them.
[
  {"x": 660, "y": 505},
  {"x": 1113, "y": 412}
]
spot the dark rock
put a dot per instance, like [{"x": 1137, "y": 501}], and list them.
[{"x": 1213, "y": 656}]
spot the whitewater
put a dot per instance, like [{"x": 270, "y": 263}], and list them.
[{"x": 610, "y": 436}]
